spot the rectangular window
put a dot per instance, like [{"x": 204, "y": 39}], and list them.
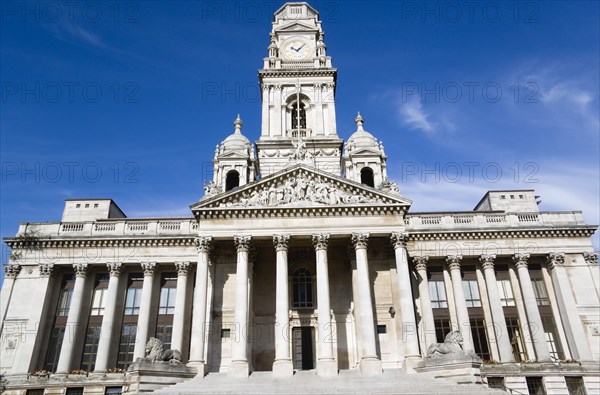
[
  {"x": 35, "y": 391},
  {"x": 225, "y": 333},
  {"x": 437, "y": 293},
  {"x": 507, "y": 298},
  {"x": 132, "y": 303},
  {"x": 56, "y": 339},
  {"x": 516, "y": 339},
  {"x": 541, "y": 294},
  {"x": 535, "y": 386},
  {"x": 90, "y": 348},
  {"x": 113, "y": 390},
  {"x": 442, "y": 328},
  {"x": 471, "y": 293},
  {"x": 64, "y": 302},
  {"x": 126, "y": 346},
  {"x": 556, "y": 352},
  {"x": 164, "y": 333},
  {"x": 381, "y": 329},
  {"x": 167, "y": 300},
  {"x": 575, "y": 385},
  {"x": 98, "y": 302},
  {"x": 480, "y": 338},
  {"x": 74, "y": 391}
]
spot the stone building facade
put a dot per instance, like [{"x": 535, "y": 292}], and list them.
[{"x": 302, "y": 255}]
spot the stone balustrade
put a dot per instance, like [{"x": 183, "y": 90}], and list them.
[
  {"x": 475, "y": 220},
  {"x": 129, "y": 227}
]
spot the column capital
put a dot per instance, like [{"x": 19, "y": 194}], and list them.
[
  {"x": 182, "y": 268},
  {"x": 520, "y": 260},
  {"x": 420, "y": 262},
  {"x": 487, "y": 261},
  {"x": 46, "y": 269},
  {"x": 453, "y": 261},
  {"x": 114, "y": 268},
  {"x": 591, "y": 258},
  {"x": 399, "y": 239},
  {"x": 554, "y": 259},
  {"x": 281, "y": 242},
  {"x": 149, "y": 268},
  {"x": 360, "y": 240},
  {"x": 12, "y": 270},
  {"x": 80, "y": 269},
  {"x": 204, "y": 243},
  {"x": 242, "y": 243},
  {"x": 320, "y": 241}
]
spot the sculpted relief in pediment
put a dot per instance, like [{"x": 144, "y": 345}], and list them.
[{"x": 298, "y": 191}]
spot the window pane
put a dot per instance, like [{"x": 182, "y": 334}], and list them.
[
  {"x": 64, "y": 302},
  {"x": 126, "y": 346},
  {"x": 90, "y": 349},
  {"x": 56, "y": 339}
]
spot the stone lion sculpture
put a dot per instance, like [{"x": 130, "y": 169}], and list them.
[
  {"x": 452, "y": 345},
  {"x": 155, "y": 352}
]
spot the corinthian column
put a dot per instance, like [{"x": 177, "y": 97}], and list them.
[
  {"x": 534, "y": 320},
  {"x": 141, "y": 336},
  {"x": 282, "y": 366},
  {"x": 239, "y": 350},
  {"x": 199, "y": 316},
  {"x": 180, "y": 305},
  {"x": 326, "y": 364},
  {"x": 425, "y": 301},
  {"x": 410, "y": 336},
  {"x": 462, "y": 313},
  {"x": 370, "y": 364},
  {"x": 108, "y": 320},
  {"x": 580, "y": 349},
  {"x": 499, "y": 322},
  {"x": 73, "y": 324}
]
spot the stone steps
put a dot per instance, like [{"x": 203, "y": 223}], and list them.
[{"x": 393, "y": 381}]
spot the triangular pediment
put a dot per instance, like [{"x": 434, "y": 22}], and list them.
[
  {"x": 295, "y": 27},
  {"x": 242, "y": 154},
  {"x": 366, "y": 152},
  {"x": 302, "y": 186}
]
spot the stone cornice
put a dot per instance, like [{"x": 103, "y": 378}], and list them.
[
  {"x": 84, "y": 242},
  {"x": 582, "y": 231},
  {"x": 325, "y": 72}
]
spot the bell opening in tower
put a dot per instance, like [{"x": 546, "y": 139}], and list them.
[
  {"x": 366, "y": 177},
  {"x": 298, "y": 116},
  {"x": 232, "y": 181}
]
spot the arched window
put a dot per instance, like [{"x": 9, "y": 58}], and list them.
[
  {"x": 302, "y": 288},
  {"x": 298, "y": 116},
  {"x": 366, "y": 177},
  {"x": 232, "y": 180}
]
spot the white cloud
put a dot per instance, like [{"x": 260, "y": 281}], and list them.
[{"x": 412, "y": 114}]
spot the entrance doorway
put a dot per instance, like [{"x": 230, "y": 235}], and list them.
[{"x": 303, "y": 347}]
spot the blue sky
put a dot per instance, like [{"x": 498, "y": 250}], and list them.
[{"x": 127, "y": 99}]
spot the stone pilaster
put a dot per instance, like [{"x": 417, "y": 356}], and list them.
[{"x": 576, "y": 337}]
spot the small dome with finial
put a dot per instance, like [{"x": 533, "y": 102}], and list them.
[
  {"x": 362, "y": 138},
  {"x": 237, "y": 140}
]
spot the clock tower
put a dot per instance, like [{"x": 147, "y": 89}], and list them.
[{"x": 298, "y": 95}]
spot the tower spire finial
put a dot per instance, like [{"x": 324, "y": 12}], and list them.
[
  {"x": 359, "y": 120},
  {"x": 238, "y": 125}
]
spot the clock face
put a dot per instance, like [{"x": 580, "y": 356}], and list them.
[{"x": 297, "y": 49}]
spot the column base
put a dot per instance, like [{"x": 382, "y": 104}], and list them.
[
  {"x": 283, "y": 368},
  {"x": 239, "y": 369},
  {"x": 327, "y": 367},
  {"x": 200, "y": 366},
  {"x": 370, "y": 366}
]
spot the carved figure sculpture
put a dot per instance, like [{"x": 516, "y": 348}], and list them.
[
  {"x": 155, "y": 351},
  {"x": 452, "y": 345}
]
